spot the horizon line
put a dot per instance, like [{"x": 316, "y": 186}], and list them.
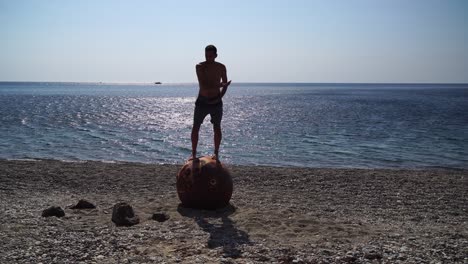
[{"x": 258, "y": 82}]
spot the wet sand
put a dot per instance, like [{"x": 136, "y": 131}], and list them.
[{"x": 278, "y": 215}]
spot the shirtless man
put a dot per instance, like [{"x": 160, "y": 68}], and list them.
[{"x": 212, "y": 80}]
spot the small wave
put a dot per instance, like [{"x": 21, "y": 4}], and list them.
[
  {"x": 84, "y": 129},
  {"x": 108, "y": 161},
  {"x": 73, "y": 161},
  {"x": 23, "y": 159}
]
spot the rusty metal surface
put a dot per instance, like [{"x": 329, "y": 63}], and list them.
[{"x": 204, "y": 184}]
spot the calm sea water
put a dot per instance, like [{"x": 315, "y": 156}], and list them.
[{"x": 313, "y": 125}]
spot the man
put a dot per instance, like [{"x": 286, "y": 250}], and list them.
[{"x": 213, "y": 84}]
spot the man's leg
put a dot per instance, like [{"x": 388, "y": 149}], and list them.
[
  {"x": 198, "y": 115},
  {"x": 217, "y": 138},
  {"x": 216, "y": 117},
  {"x": 195, "y": 131},
  {"x": 195, "y": 161}
]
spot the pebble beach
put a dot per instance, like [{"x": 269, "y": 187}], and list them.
[{"x": 276, "y": 215}]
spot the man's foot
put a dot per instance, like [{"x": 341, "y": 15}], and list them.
[
  {"x": 195, "y": 165},
  {"x": 193, "y": 157},
  {"x": 215, "y": 157}
]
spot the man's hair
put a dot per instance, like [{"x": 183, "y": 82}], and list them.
[{"x": 211, "y": 48}]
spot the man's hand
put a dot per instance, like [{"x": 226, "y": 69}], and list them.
[{"x": 225, "y": 85}]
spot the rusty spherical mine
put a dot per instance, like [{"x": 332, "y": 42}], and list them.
[{"x": 204, "y": 184}]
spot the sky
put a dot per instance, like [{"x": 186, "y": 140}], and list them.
[{"x": 397, "y": 41}]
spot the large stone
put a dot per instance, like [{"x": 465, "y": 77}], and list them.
[
  {"x": 83, "y": 204},
  {"x": 123, "y": 215},
  {"x": 53, "y": 211},
  {"x": 204, "y": 183}
]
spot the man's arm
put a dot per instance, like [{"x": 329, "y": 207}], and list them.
[
  {"x": 224, "y": 82},
  {"x": 200, "y": 75}
]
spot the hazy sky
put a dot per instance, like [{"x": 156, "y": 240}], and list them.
[{"x": 259, "y": 41}]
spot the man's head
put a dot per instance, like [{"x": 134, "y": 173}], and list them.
[{"x": 211, "y": 53}]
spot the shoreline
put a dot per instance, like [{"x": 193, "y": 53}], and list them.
[
  {"x": 421, "y": 168},
  {"x": 279, "y": 215}
]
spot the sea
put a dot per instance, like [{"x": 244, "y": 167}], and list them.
[{"x": 273, "y": 124}]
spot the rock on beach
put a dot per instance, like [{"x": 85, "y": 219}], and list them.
[{"x": 123, "y": 215}]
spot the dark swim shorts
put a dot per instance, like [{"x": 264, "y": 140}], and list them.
[{"x": 205, "y": 106}]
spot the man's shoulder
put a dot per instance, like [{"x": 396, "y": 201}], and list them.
[{"x": 219, "y": 64}]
